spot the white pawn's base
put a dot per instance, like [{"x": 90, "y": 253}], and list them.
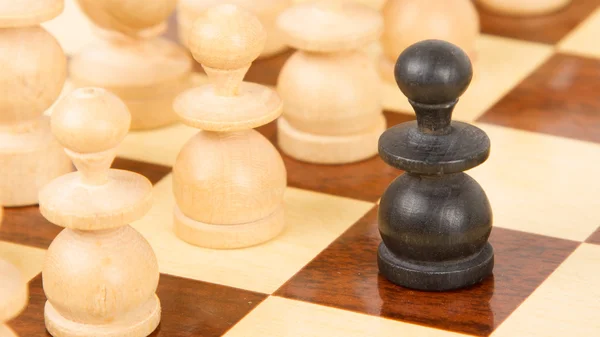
[
  {"x": 320, "y": 149},
  {"x": 524, "y": 8},
  {"x": 6, "y": 331},
  {"x": 138, "y": 324},
  {"x": 228, "y": 236},
  {"x": 29, "y": 159}
]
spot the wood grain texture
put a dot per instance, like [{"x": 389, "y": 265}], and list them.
[
  {"x": 566, "y": 304},
  {"x": 594, "y": 238},
  {"x": 190, "y": 308},
  {"x": 345, "y": 276},
  {"x": 365, "y": 180},
  {"x": 559, "y": 98},
  {"x": 97, "y": 285},
  {"x": 312, "y": 221},
  {"x": 548, "y": 28},
  {"x": 228, "y": 180},
  {"x": 282, "y": 317},
  {"x": 349, "y": 280}
]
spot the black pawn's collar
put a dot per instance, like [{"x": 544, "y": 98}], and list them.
[{"x": 433, "y": 74}]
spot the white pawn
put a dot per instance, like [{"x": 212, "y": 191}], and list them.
[
  {"x": 33, "y": 72},
  {"x": 523, "y": 8},
  {"x": 330, "y": 87},
  {"x": 228, "y": 180},
  {"x": 265, "y": 10},
  {"x": 100, "y": 275},
  {"x": 13, "y": 294}
]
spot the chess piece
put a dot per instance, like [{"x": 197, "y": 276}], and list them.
[
  {"x": 132, "y": 61},
  {"x": 228, "y": 180},
  {"x": 266, "y": 11},
  {"x": 330, "y": 87},
  {"x": 13, "y": 294},
  {"x": 33, "y": 73},
  {"x": 523, "y": 8},
  {"x": 434, "y": 220},
  {"x": 411, "y": 21},
  {"x": 100, "y": 275}
]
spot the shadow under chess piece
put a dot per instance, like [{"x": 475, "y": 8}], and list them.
[
  {"x": 434, "y": 220},
  {"x": 442, "y": 309}
]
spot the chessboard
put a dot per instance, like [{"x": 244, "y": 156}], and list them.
[{"x": 535, "y": 93}]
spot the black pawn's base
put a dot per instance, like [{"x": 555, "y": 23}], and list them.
[{"x": 436, "y": 276}]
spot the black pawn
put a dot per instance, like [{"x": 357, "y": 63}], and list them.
[{"x": 434, "y": 219}]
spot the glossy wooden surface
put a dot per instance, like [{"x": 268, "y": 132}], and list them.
[
  {"x": 560, "y": 98},
  {"x": 594, "y": 238},
  {"x": 340, "y": 289},
  {"x": 345, "y": 276},
  {"x": 191, "y": 308}
]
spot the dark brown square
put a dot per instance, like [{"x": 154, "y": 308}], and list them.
[
  {"x": 346, "y": 276},
  {"x": 549, "y": 28},
  {"x": 189, "y": 308},
  {"x": 153, "y": 172},
  {"x": 594, "y": 238},
  {"x": 559, "y": 98},
  {"x": 27, "y": 226},
  {"x": 364, "y": 180}
]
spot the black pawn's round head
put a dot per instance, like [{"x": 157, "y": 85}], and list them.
[{"x": 433, "y": 72}]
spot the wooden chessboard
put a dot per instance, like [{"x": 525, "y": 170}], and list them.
[{"x": 535, "y": 94}]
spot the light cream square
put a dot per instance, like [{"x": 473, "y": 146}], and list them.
[
  {"x": 159, "y": 146},
  {"x": 28, "y": 260},
  {"x": 313, "y": 221},
  {"x": 583, "y": 40},
  {"x": 500, "y": 65},
  {"x": 282, "y": 317},
  {"x": 566, "y": 304},
  {"x": 541, "y": 184}
]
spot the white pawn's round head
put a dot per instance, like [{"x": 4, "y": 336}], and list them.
[
  {"x": 227, "y": 37},
  {"x": 90, "y": 120}
]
